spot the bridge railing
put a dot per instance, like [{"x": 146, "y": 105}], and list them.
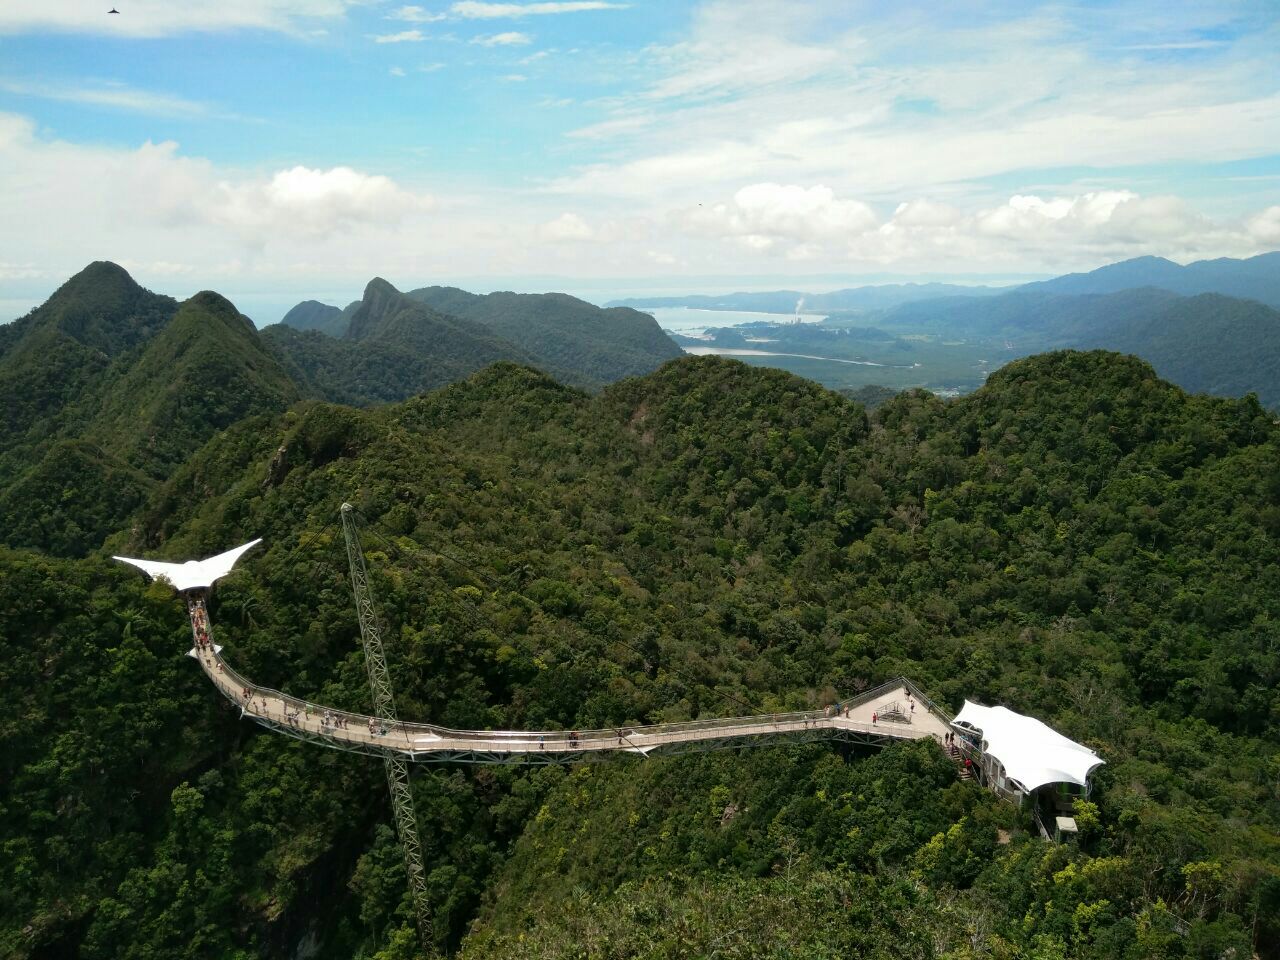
[{"x": 642, "y": 736}]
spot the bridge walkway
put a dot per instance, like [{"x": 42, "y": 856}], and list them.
[{"x": 882, "y": 715}]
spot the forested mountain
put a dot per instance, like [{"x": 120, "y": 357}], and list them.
[
  {"x": 1254, "y": 278},
  {"x": 394, "y": 345},
  {"x": 563, "y": 332},
  {"x": 1209, "y": 343},
  {"x": 393, "y": 348},
  {"x": 108, "y": 388},
  {"x": 314, "y": 315},
  {"x": 1078, "y": 539}
]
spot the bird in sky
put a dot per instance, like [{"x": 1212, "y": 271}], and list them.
[{"x": 113, "y": 10}]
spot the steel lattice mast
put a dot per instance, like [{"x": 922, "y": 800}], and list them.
[{"x": 384, "y": 706}]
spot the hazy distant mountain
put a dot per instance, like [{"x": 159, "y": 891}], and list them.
[
  {"x": 1256, "y": 278},
  {"x": 878, "y": 297},
  {"x": 563, "y": 331},
  {"x": 314, "y": 315},
  {"x": 394, "y": 347},
  {"x": 1044, "y": 318},
  {"x": 1210, "y": 342},
  {"x": 390, "y": 345},
  {"x": 1207, "y": 343}
]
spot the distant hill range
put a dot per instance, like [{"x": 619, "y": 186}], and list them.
[
  {"x": 1211, "y": 326},
  {"x": 389, "y": 345},
  {"x": 1256, "y": 278},
  {"x": 877, "y": 297}
]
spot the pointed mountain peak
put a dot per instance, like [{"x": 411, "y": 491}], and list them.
[
  {"x": 380, "y": 304},
  {"x": 100, "y": 283},
  {"x": 377, "y": 287},
  {"x": 207, "y": 306},
  {"x": 104, "y": 308},
  {"x": 101, "y": 272}
]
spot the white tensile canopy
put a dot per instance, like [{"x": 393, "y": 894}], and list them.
[
  {"x": 1031, "y": 752},
  {"x": 193, "y": 573}
]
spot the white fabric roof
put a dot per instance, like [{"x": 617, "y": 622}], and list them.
[
  {"x": 193, "y": 573},
  {"x": 1031, "y": 752}
]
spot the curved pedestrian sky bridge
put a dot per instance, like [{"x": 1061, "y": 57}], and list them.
[{"x": 897, "y": 710}]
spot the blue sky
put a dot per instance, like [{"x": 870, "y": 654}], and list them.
[{"x": 276, "y": 149}]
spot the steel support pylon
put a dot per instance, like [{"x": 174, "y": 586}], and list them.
[{"x": 384, "y": 706}]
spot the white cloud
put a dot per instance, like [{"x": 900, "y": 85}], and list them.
[
  {"x": 568, "y": 227},
  {"x": 113, "y": 95},
  {"x": 160, "y": 18},
  {"x": 310, "y": 202},
  {"x": 404, "y": 36},
  {"x": 397, "y": 71},
  {"x": 797, "y": 223},
  {"x": 146, "y": 202},
  {"x": 509, "y": 39},
  {"x": 515, "y": 78},
  {"x": 415, "y": 15},
  {"x": 472, "y": 10},
  {"x": 1265, "y": 226},
  {"x": 765, "y": 214}
]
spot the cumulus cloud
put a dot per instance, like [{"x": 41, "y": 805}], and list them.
[
  {"x": 509, "y": 39},
  {"x": 763, "y": 215},
  {"x": 307, "y": 201},
  {"x": 813, "y": 223},
  {"x": 1265, "y": 226},
  {"x": 148, "y": 201},
  {"x": 567, "y": 226}
]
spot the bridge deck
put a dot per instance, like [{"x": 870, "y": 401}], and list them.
[{"x": 859, "y": 719}]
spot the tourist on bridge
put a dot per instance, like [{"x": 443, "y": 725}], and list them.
[{"x": 874, "y": 717}]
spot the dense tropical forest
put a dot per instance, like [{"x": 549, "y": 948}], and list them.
[{"x": 1078, "y": 539}]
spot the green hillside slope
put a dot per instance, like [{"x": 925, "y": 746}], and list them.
[
  {"x": 314, "y": 315},
  {"x": 59, "y": 351},
  {"x": 206, "y": 370},
  {"x": 393, "y": 348},
  {"x": 1211, "y": 343},
  {"x": 1078, "y": 539}
]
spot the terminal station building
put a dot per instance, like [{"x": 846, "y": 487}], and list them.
[{"x": 1028, "y": 763}]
